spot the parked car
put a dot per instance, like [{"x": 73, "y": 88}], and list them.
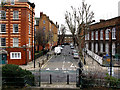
[
  {"x": 74, "y": 51},
  {"x": 75, "y": 56},
  {"x": 72, "y": 47},
  {"x": 57, "y": 50},
  {"x": 62, "y": 46}
]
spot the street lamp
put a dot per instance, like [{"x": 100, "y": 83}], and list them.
[
  {"x": 33, "y": 6},
  {"x": 111, "y": 55}
]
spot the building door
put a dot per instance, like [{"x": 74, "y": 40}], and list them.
[{"x": 4, "y": 58}]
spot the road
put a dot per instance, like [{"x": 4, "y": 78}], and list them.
[
  {"x": 59, "y": 67},
  {"x": 64, "y": 61}
]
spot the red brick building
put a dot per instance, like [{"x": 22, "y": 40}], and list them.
[
  {"x": 67, "y": 39},
  {"x": 47, "y": 25},
  {"x": 98, "y": 39},
  {"x": 16, "y": 32}
]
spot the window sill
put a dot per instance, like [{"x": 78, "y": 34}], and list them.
[
  {"x": 16, "y": 19},
  {"x": 15, "y": 32},
  {"x": 15, "y": 58},
  {"x": 113, "y": 38},
  {"x": 2, "y": 32},
  {"x": 107, "y": 39}
]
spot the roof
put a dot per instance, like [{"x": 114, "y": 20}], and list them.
[{"x": 23, "y": 0}]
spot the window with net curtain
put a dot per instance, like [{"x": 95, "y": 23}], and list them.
[{"x": 15, "y": 42}]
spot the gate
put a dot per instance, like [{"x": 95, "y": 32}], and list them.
[{"x": 55, "y": 77}]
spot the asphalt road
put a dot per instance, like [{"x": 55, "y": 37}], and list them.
[
  {"x": 60, "y": 68},
  {"x": 64, "y": 61}
]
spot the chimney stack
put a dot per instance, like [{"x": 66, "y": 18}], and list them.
[
  {"x": 41, "y": 13},
  {"x": 102, "y": 20}
]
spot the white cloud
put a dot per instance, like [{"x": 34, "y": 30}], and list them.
[{"x": 55, "y": 9}]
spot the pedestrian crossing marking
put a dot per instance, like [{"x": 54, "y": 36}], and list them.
[
  {"x": 56, "y": 69},
  {"x": 72, "y": 65},
  {"x": 47, "y": 69}
]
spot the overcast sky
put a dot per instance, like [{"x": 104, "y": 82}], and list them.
[{"x": 55, "y": 9}]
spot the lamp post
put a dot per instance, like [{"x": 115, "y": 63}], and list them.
[
  {"x": 111, "y": 55},
  {"x": 33, "y": 54}
]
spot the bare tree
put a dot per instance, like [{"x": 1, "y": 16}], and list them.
[
  {"x": 78, "y": 22},
  {"x": 41, "y": 38},
  {"x": 62, "y": 36}
]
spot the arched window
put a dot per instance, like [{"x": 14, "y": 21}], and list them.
[
  {"x": 113, "y": 49},
  {"x": 107, "y": 48},
  {"x": 92, "y": 35},
  {"x": 96, "y": 48},
  {"x": 87, "y": 45},
  {"x": 101, "y": 35},
  {"x": 113, "y": 33},
  {"x": 101, "y": 47},
  {"x": 92, "y": 46},
  {"x": 107, "y": 34},
  {"x": 96, "y": 35}
]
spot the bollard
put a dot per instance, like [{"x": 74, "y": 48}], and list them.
[
  {"x": 47, "y": 56},
  {"x": 67, "y": 79},
  {"x": 50, "y": 79}
]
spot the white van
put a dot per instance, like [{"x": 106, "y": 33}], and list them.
[{"x": 57, "y": 50}]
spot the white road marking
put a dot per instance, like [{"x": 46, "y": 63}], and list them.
[
  {"x": 56, "y": 69},
  {"x": 72, "y": 65},
  {"x": 47, "y": 69}
]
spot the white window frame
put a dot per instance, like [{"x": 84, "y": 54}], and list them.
[
  {"x": 87, "y": 46},
  {"x": 1, "y": 28},
  {"x": 96, "y": 47},
  {"x": 101, "y": 35},
  {"x": 29, "y": 17},
  {"x": 29, "y": 29},
  {"x": 17, "y": 15},
  {"x": 96, "y": 35},
  {"x": 29, "y": 42},
  {"x": 113, "y": 49},
  {"x": 15, "y": 44},
  {"x": 15, "y": 53},
  {"x": 107, "y": 34},
  {"x": 29, "y": 55},
  {"x": 92, "y": 35},
  {"x": 113, "y": 33},
  {"x": 101, "y": 47},
  {"x": 107, "y": 48},
  {"x": 88, "y": 36},
  {"x": 14, "y": 28},
  {"x": 92, "y": 47}
]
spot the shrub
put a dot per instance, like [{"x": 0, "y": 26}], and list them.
[
  {"x": 13, "y": 75},
  {"x": 113, "y": 82}
]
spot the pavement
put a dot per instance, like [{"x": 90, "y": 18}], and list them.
[
  {"x": 42, "y": 60},
  {"x": 96, "y": 68},
  {"x": 91, "y": 67}
]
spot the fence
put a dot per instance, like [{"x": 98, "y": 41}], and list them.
[
  {"x": 54, "y": 76},
  {"x": 17, "y": 81},
  {"x": 88, "y": 82},
  {"x": 95, "y": 57}
]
